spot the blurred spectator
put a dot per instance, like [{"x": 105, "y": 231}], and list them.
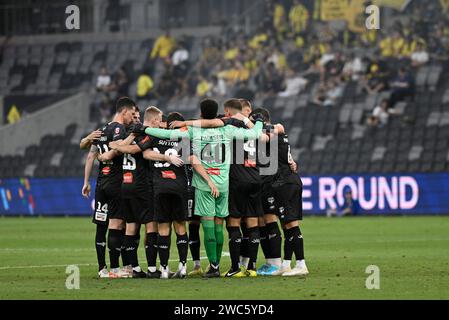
[
  {"x": 203, "y": 87},
  {"x": 328, "y": 93},
  {"x": 294, "y": 84},
  {"x": 145, "y": 86},
  {"x": 105, "y": 108},
  {"x": 392, "y": 46},
  {"x": 180, "y": 55},
  {"x": 218, "y": 87},
  {"x": 420, "y": 56},
  {"x": 277, "y": 58},
  {"x": 163, "y": 46},
  {"x": 103, "y": 80},
  {"x": 279, "y": 18},
  {"x": 121, "y": 83},
  {"x": 298, "y": 17},
  {"x": 333, "y": 67},
  {"x": 376, "y": 80},
  {"x": 244, "y": 91},
  {"x": 269, "y": 80},
  {"x": 380, "y": 116},
  {"x": 353, "y": 68},
  {"x": 402, "y": 87},
  {"x": 167, "y": 87},
  {"x": 350, "y": 207}
]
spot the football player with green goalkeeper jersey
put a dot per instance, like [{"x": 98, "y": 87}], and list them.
[{"x": 213, "y": 147}]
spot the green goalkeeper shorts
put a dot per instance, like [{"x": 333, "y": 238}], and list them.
[{"x": 208, "y": 206}]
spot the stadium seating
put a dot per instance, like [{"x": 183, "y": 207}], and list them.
[{"x": 324, "y": 140}]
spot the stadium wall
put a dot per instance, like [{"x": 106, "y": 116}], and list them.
[
  {"x": 414, "y": 194},
  {"x": 14, "y": 138}
]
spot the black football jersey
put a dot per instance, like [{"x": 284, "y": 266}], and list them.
[
  {"x": 167, "y": 177},
  {"x": 136, "y": 170},
  {"x": 110, "y": 172},
  {"x": 285, "y": 174},
  {"x": 244, "y": 165}
]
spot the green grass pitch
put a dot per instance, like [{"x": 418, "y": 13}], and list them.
[{"x": 411, "y": 253}]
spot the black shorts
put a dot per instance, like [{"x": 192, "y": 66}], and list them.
[
  {"x": 269, "y": 203},
  {"x": 289, "y": 202},
  {"x": 245, "y": 199},
  {"x": 108, "y": 205},
  {"x": 169, "y": 207},
  {"x": 138, "y": 210}
]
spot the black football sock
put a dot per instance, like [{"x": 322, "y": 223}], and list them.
[
  {"x": 244, "y": 246},
  {"x": 194, "y": 241},
  {"x": 100, "y": 245},
  {"x": 183, "y": 247},
  {"x": 125, "y": 260},
  {"x": 137, "y": 243},
  {"x": 264, "y": 243},
  {"x": 137, "y": 239},
  {"x": 297, "y": 243},
  {"x": 163, "y": 244},
  {"x": 274, "y": 237},
  {"x": 151, "y": 248},
  {"x": 288, "y": 246},
  {"x": 253, "y": 246},
  {"x": 235, "y": 241},
  {"x": 115, "y": 242},
  {"x": 131, "y": 250}
]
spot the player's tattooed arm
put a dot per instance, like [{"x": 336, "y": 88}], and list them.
[
  {"x": 245, "y": 120},
  {"x": 198, "y": 167},
  {"x": 86, "y": 142},
  {"x": 125, "y": 146},
  {"x": 156, "y": 156},
  {"x": 88, "y": 170}
]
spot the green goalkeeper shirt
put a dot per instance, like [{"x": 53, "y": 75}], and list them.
[{"x": 213, "y": 147}]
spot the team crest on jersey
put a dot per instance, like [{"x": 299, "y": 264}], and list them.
[
  {"x": 117, "y": 130},
  {"x": 144, "y": 140},
  {"x": 270, "y": 200}
]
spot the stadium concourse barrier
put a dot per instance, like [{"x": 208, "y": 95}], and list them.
[
  {"x": 396, "y": 194},
  {"x": 14, "y": 138}
]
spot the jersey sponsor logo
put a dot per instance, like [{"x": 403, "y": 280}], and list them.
[
  {"x": 128, "y": 178},
  {"x": 168, "y": 175},
  {"x": 106, "y": 171},
  {"x": 213, "y": 171},
  {"x": 250, "y": 163}
]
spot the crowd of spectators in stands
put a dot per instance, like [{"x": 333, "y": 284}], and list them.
[{"x": 289, "y": 48}]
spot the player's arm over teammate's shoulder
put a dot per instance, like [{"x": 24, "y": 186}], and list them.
[
  {"x": 168, "y": 134},
  {"x": 200, "y": 123},
  {"x": 87, "y": 141},
  {"x": 125, "y": 146},
  {"x": 241, "y": 133}
]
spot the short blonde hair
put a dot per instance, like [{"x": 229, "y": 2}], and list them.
[{"x": 151, "y": 112}]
